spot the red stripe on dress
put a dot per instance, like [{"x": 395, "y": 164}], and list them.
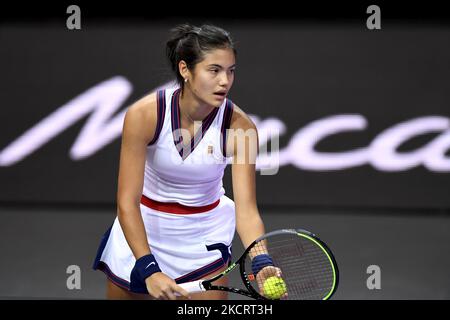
[{"x": 175, "y": 207}]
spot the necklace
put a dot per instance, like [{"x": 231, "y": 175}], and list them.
[{"x": 187, "y": 114}]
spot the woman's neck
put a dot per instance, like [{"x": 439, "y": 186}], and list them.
[{"x": 195, "y": 109}]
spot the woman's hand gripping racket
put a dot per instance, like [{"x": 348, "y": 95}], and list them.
[{"x": 285, "y": 264}]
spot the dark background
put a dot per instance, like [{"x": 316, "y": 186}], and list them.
[
  {"x": 297, "y": 62},
  {"x": 297, "y": 73}
]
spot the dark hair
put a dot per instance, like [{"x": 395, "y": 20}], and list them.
[{"x": 190, "y": 43}]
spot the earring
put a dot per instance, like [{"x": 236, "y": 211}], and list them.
[{"x": 186, "y": 80}]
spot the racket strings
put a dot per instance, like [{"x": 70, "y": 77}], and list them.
[
  {"x": 305, "y": 268},
  {"x": 302, "y": 263}
]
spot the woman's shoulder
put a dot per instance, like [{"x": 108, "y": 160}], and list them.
[
  {"x": 240, "y": 119},
  {"x": 142, "y": 115},
  {"x": 242, "y": 127},
  {"x": 145, "y": 106}
]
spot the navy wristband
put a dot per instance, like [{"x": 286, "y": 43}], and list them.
[
  {"x": 144, "y": 267},
  {"x": 261, "y": 261}
]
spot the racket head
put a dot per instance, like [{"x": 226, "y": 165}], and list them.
[{"x": 308, "y": 268}]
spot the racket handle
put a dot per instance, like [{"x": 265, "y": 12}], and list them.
[{"x": 193, "y": 286}]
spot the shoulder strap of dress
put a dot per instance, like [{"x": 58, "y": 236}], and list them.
[
  {"x": 226, "y": 125},
  {"x": 161, "y": 112}
]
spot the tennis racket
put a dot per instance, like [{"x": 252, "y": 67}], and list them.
[{"x": 303, "y": 269}]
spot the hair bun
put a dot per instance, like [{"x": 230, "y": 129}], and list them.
[{"x": 184, "y": 30}]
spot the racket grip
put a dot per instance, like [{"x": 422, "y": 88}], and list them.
[{"x": 193, "y": 286}]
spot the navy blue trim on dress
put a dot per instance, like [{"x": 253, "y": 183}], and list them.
[
  {"x": 102, "y": 266},
  {"x": 111, "y": 276},
  {"x": 101, "y": 247},
  {"x": 176, "y": 125},
  {"x": 228, "y": 113},
  {"x": 202, "y": 272},
  {"x": 161, "y": 112}
]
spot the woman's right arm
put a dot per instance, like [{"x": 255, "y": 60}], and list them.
[{"x": 138, "y": 130}]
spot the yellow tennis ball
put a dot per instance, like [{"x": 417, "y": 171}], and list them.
[{"x": 274, "y": 287}]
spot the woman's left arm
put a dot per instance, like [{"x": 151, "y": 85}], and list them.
[
  {"x": 249, "y": 224},
  {"x": 244, "y": 135}
]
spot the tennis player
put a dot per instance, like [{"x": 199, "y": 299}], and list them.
[{"x": 174, "y": 222}]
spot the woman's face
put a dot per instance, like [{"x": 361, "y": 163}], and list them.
[{"x": 213, "y": 77}]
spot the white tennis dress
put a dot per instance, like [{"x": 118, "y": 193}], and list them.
[{"x": 190, "y": 222}]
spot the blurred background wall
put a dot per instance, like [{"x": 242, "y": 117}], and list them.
[{"x": 361, "y": 118}]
